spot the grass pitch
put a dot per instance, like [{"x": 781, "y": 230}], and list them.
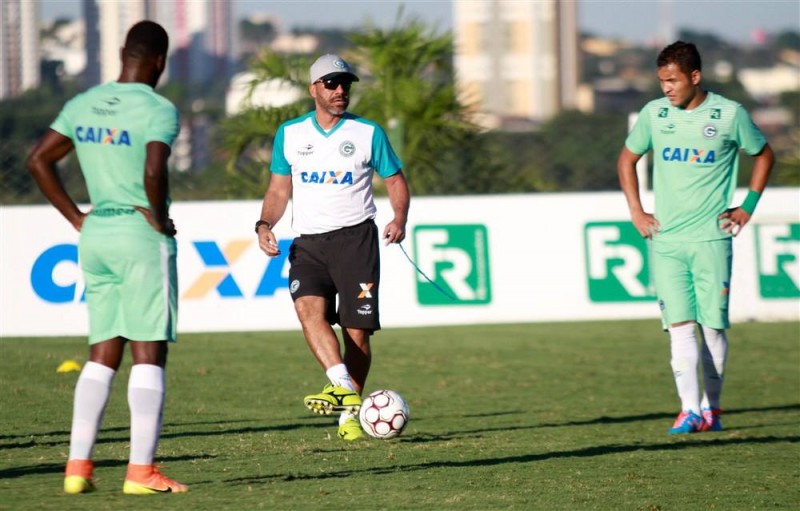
[{"x": 536, "y": 416}]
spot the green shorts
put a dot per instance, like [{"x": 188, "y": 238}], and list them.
[
  {"x": 693, "y": 280},
  {"x": 131, "y": 277}
]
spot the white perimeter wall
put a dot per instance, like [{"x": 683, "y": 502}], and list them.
[{"x": 506, "y": 258}]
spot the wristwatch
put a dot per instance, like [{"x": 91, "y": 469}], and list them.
[{"x": 263, "y": 222}]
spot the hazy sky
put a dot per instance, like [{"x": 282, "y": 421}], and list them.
[{"x": 633, "y": 20}]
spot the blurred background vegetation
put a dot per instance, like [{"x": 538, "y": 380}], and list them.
[{"x": 408, "y": 87}]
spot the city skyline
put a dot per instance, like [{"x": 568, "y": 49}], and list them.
[{"x": 741, "y": 21}]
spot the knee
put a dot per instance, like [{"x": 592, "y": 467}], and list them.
[
  {"x": 357, "y": 337},
  {"x": 310, "y": 308},
  {"x": 714, "y": 336}
]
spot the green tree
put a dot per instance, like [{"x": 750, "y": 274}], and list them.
[
  {"x": 411, "y": 91},
  {"x": 788, "y": 40},
  {"x": 406, "y": 85},
  {"x": 246, "y": 138},
  {"x": 23, "y": 120}
]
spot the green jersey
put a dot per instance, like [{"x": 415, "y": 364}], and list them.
[
  {"x": 696, "y": 158},
  {"x": 110, "y": 126}
]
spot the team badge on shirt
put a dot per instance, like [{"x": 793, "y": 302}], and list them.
[{"x": 347, "y": 149}]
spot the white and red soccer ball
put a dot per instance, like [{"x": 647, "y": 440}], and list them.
[{"x": 383, "y": 414}]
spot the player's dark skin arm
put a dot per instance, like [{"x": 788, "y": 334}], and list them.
[
  {"x": 50, "y": 149},
  {"x": 41, "y": 163},
  {"x": 156, "y": 186}
]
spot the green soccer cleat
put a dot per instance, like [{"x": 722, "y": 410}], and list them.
[
  {"x": 350, "y": 429},
  {"x": 333, "y": 399}
]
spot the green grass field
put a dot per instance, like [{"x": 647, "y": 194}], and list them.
[{"x": 537, "y": 416}]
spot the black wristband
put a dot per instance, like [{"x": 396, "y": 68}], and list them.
[{"x": 263, "y": 222}]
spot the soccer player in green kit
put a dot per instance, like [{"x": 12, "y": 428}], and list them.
[
  {"x": 122, "y": 132},
  {"x": 695, "y": 136}
]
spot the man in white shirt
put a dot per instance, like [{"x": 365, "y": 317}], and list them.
[{"x": 325, "y": 161}]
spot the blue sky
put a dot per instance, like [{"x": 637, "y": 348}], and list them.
[{"x": 632, "y": 20}]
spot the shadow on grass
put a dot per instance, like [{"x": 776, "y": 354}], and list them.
[
  {"x": 121, "y": 428},
  {"x": 58, "y": 468},
  {"x": 586, "y": 452},
  {"x": 225, "y": 429},
  {"x": 670, "y": 416},
  {"x": 661, "y": 416},
  {"x": 120, "y": 433}
]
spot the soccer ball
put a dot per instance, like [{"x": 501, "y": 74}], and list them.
[{"x": 383, "y": 414}]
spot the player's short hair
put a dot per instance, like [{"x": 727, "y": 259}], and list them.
[
  {"x": 682, "y": 54},
  {"x": 146, "y": 39}
]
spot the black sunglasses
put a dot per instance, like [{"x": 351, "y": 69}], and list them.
[{"x": 334, "y": 83}]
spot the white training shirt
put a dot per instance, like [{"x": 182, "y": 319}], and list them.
[{"x": 332, "y": 171}]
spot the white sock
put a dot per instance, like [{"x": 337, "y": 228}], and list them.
[
  {"x": 91, "y": 396},
  {"x": 715, "y": 353},
  {"x": 146, "y": 389},
  {"x": 343, "y": 417},
  {"x": 339, "y": 376},
  {"x": 683, "y": 347}
]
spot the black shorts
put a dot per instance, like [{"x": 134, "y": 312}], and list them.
[{"x": 344, "y": 262}]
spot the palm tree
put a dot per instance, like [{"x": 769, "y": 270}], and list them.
[
  {"x": 411, "y": 92},
  {"x": 406, "y": 85}
]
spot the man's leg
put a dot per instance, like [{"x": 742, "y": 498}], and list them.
[
  {"x": 684, "y": 361},
  {"x": 713, "y": 267},
  {"x": 319, "y": 334},
  {"x": 357, "y": 355},
  {"x": 146, "y": 391},
  {"x": 357, "y": 359},
  {"x": 676, "y": 296},
  {"x": 715, "y": 354},
  {"x": 341, "y": 395},
  {"x": 91, "y": 397}
]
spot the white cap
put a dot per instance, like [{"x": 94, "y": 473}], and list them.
[{"x": 328, "y": 66}]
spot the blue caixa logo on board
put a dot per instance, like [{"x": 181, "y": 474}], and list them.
[
  {"x": 217, "y": 277},
  {"x": 43, "y": 271}
]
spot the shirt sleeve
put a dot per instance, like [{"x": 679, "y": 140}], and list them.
[
  {"x": 640, "y": 139},
  {"x": 384, "y": 160},
  {"x": 747, "y": 134},
  {"x": 279, "y": 165},
  {"x": 63, "y": 123},
  {"x": 164, "y": 125}
]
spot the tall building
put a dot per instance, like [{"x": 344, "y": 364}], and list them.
[
  {"x": 200, "y": 51},
  {"x": 91, "y": 18},
  {"x": 19, "y": 47},
  {"x": 516, "y": 61},
  {"x": 200, "y": 31},
  {"x": 107, "y": 23}
]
